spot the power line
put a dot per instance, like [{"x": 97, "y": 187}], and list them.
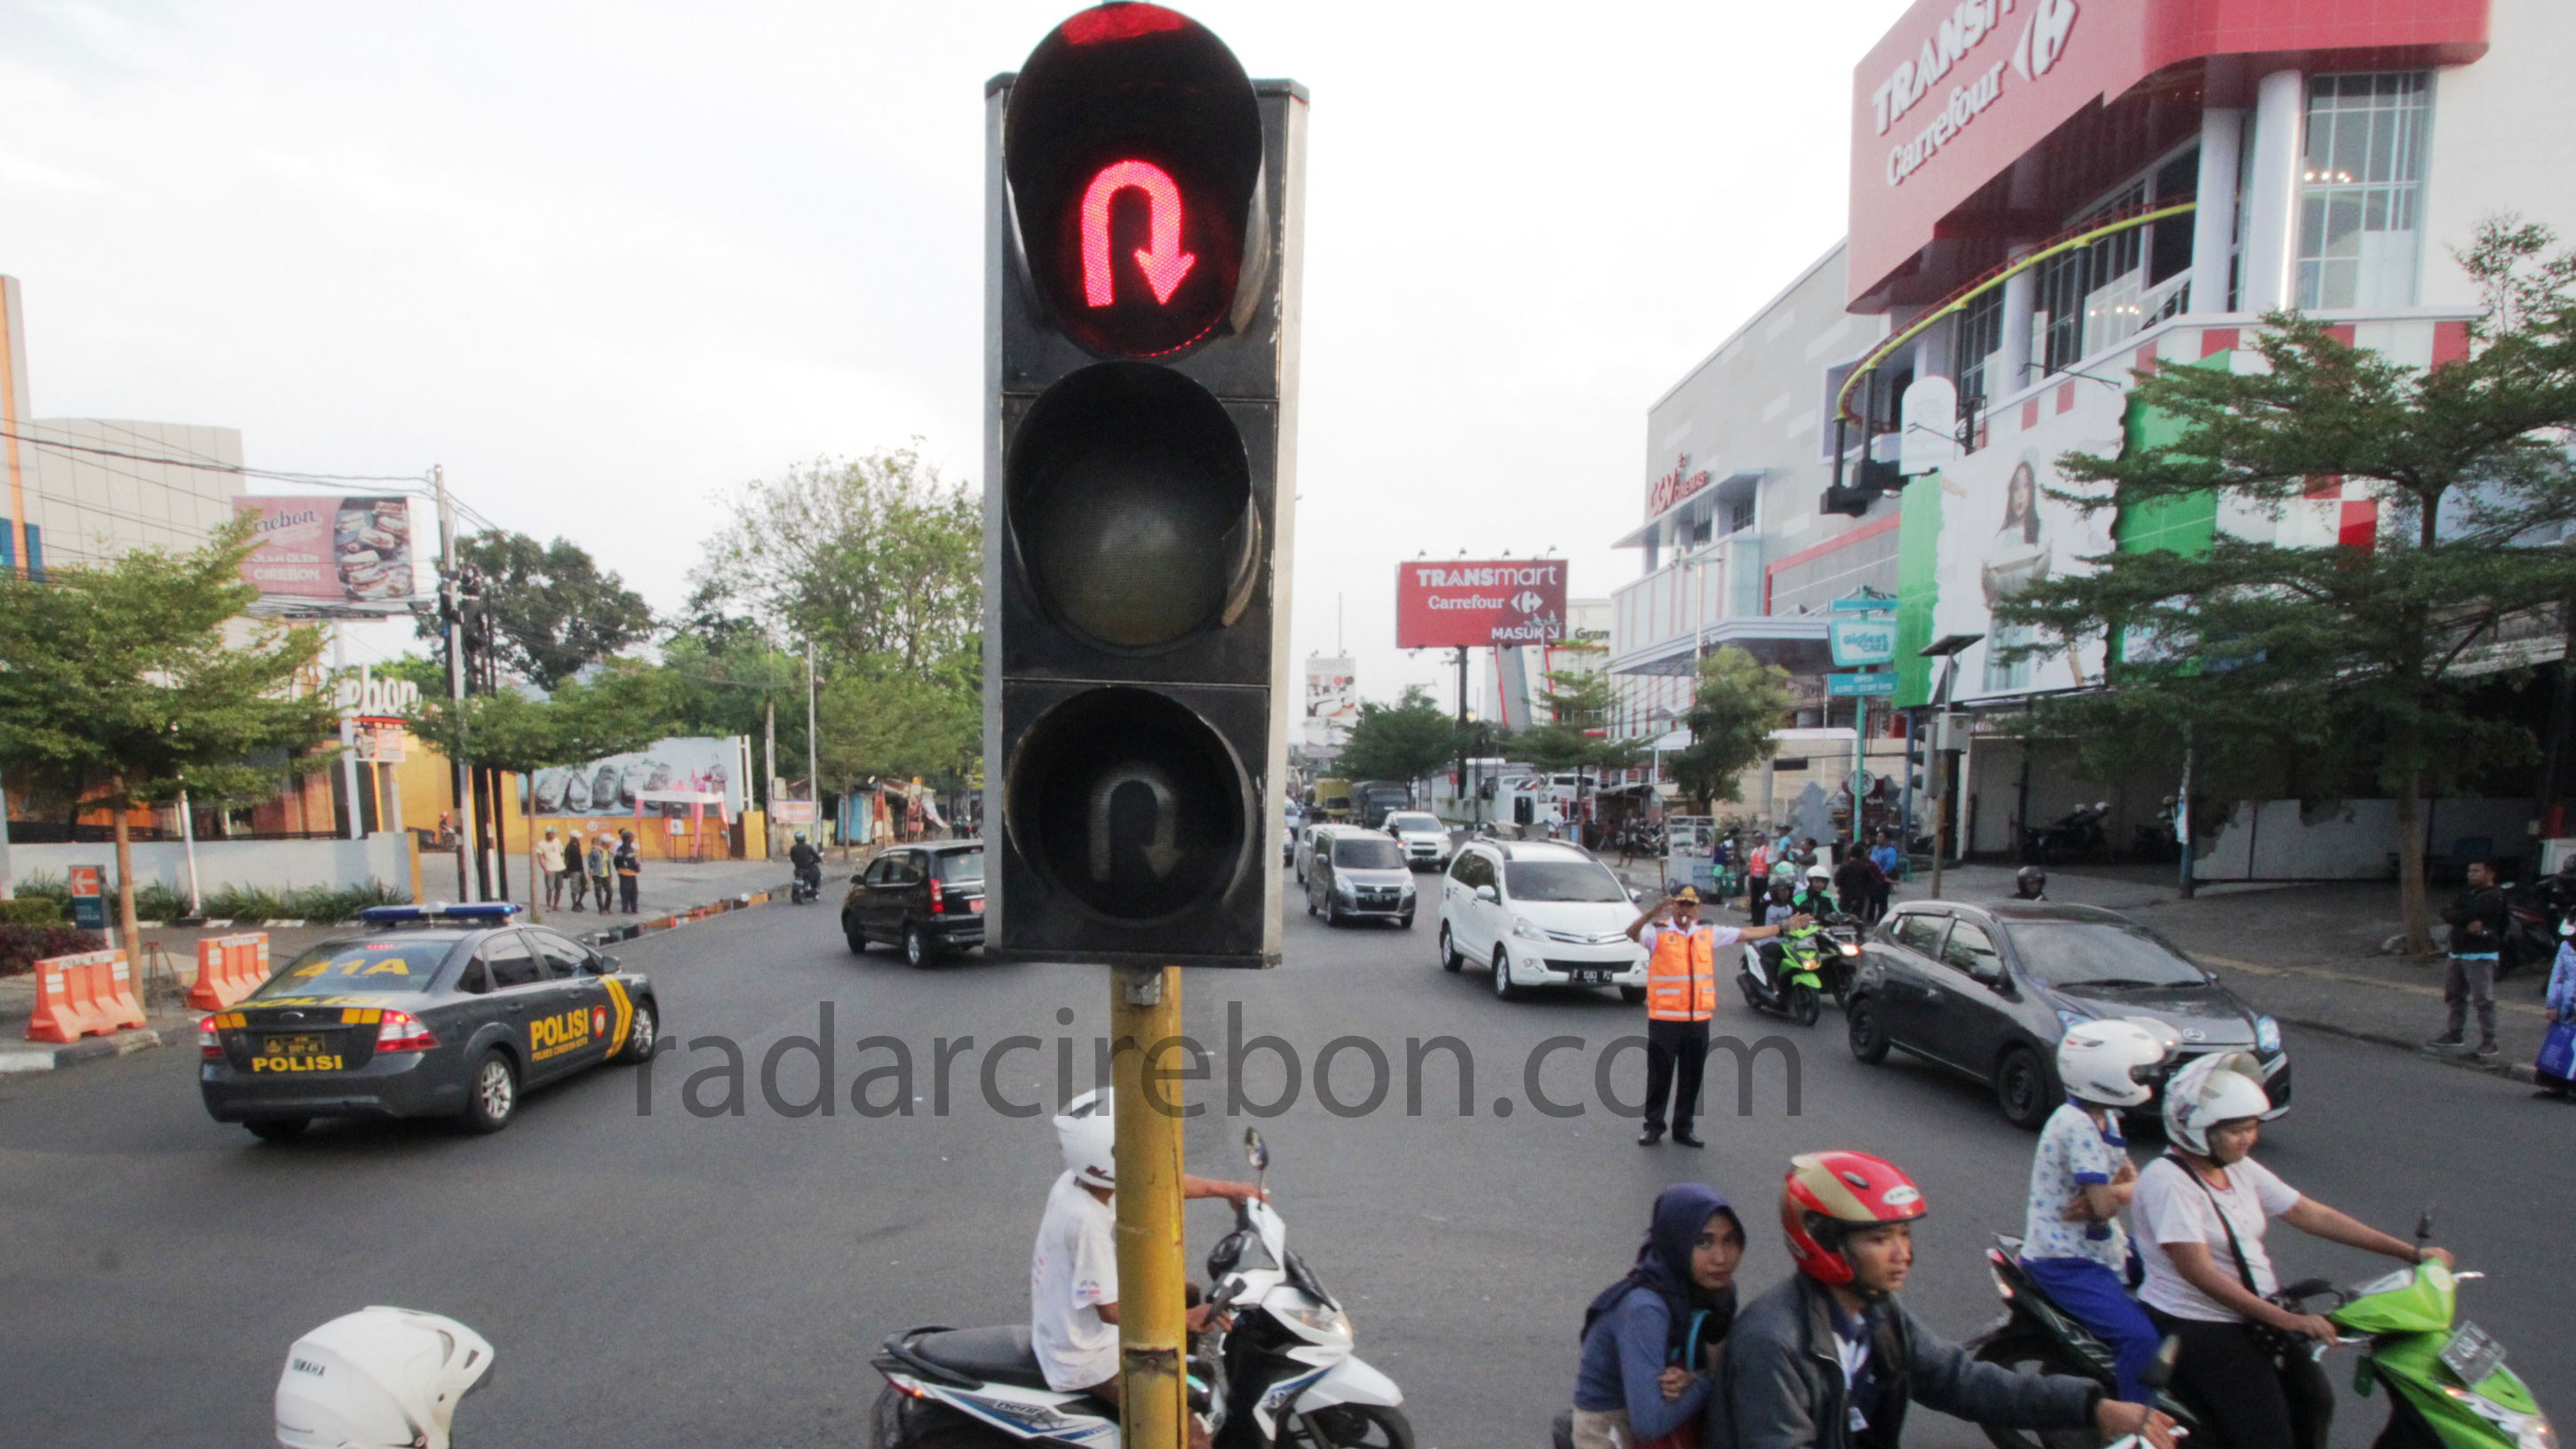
[{"x": 218, "y": 467}]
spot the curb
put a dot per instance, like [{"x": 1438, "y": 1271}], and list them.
[
  {"x": 17, "y": 1059},
  {"x": 2515, "y": 1071}
]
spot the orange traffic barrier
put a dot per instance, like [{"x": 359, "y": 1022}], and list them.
[
  {"x": 118, "y": 994},
  {"x": 228, "y": 969},
  {"x": 76, "y": 997}
]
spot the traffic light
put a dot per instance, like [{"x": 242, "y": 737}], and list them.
[{"x": 1141, "y": 266}]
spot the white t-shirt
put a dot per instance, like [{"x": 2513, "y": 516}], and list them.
[
  {"x": 1719, "y": 937},
  {"x": 1073, "y": 1272},
  {"x": 2072, "y": 1154},
  {"x": 2171, "y": 1208}
]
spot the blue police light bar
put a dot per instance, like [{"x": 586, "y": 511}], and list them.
[{"x": 439, "y": 911}]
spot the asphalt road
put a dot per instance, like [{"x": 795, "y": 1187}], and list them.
[{"x": 660, "y": 1277}]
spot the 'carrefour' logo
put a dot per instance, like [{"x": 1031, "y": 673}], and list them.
[{"x": 1528, "y": 601}]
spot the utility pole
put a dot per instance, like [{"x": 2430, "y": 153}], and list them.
[
  {"x": 813, "y": 772},
  {"x": 451, "y": 608},
  {"x": 769, "y": 763},
  {"x": 1462, "y": 715}
]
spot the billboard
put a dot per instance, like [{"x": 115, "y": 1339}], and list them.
[
  {"x": 2000, "y": 532},
  {"x": 610, "y": 786},
  {"x": 1476, "y": 604},
  {"x": 1332, "y": 702},
  {"x": 332, "y": 549}
]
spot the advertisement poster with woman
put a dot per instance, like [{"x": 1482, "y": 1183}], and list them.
[{"x": 2001, "y": 532}]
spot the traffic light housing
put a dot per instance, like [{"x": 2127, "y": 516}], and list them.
[{"x": 1141, "y": 302}]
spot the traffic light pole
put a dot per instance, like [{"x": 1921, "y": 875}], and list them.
[{"x": 1153, "y": 1329}]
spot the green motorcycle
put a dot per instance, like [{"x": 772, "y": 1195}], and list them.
[{"x": 2448, "y": 1387}]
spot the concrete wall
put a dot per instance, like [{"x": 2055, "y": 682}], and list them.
[
  {"x": 2284, "y": 840},
  {"x": 2500, "y": 141},
  {"x": 272, "y": 864}
]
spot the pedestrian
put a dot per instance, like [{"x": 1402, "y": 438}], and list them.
[
  {"x": 576, "y": 869},
  {"x": 1891, "y": 863},
  {"x": 549, "y": 855},
  {"x": 2557, "y": 1062},
  {"x": 600, "y": 859},
  {"x": 2477, "y": 917},
  {"x": 630, "y": 864},
  {"x": 1856, "y": 884},
  {"x": 1757, "y": 877},
  {"x": 1681, "y": 996}
]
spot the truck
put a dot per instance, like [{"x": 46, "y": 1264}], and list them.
[
  {"x": 1329, "y": 799},
  {"x": 1372, "y": 800}
]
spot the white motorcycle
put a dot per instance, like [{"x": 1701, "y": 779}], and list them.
[{"x": 1282, "y": 1372}]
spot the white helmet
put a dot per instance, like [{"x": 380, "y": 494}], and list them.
[
  {"x": 1088, "y": 1133},
  {"x": 378, "y": 1377},
  {"x": 1819, "y": 872},
  {"x": 2220, "y": 1087},
  {"x": 2110, "y": 1062}
]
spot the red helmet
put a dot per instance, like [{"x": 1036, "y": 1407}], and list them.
[{"x": 1828, "y": 1194}]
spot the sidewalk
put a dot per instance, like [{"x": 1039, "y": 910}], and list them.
[{"x": 2307, "y": 954}]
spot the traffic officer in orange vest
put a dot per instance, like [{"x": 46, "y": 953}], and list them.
[{"x": 1681, "y": 995}]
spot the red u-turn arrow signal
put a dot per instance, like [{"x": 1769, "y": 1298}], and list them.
[{"x": 1164, "y": 262}]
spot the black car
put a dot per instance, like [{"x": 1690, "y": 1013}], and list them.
[
  {"x": 1988, "y": 990},
  {"x": 928, "y": 898},
  {"x": 429, "y": 1012}
]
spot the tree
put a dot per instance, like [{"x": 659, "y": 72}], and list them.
[
  {"x": 624, "y": 708},
  {"x": 1577, "y": 735},
  {"x": 1734, "y": 707},
  {"x": 1402, "y": 741},
  {"x": 2340, "y": 662},
  {"x": 553, "y": 611},
  {"x": 133, "y": 681}
]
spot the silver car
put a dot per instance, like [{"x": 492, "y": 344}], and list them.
[{"x": 1354, "y": 875}]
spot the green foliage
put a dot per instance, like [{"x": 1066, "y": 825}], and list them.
[
  {"x": 553, "y": 611},
  {"x": 21, "y": 947},
  {"x": 45, "y": 887},
  {"x": 2307, "y": 667},
  {"x": 624, "y": 707},
  {"x": 1734, "y": 708},
  {"x": 1403, "y": 741},
  {"x": 26, "y": 910},
  {"x": 123, "y": 683},
  {"x": 1577, "y": 735}
]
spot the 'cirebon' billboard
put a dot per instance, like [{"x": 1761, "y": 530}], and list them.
[{"x": 1477, "y": 604}]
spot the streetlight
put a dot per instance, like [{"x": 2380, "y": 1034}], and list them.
[{"x": 1947, "y": 649}]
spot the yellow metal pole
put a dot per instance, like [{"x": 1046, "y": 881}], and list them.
[{"x": 1144, "y": 1014}]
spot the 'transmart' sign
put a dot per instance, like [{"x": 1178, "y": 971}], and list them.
[{"x": 1450, "y": 603}]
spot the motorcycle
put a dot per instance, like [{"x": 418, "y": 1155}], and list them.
[
  {"x": 2076, "y": 834},
  {"x": 2035, "y": 1336},
  {"x": 1784, "y": 975},
  {"x": 806, "y": 888},
  {"x": 2532, "y": 913},
  {"x": 1275, "y": 1367},
  {"x": 1839, "y": 955},
  {"x": 2448, "y": 1387}
]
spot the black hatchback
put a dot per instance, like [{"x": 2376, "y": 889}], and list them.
[
  {"x": 927, "y": 898},
  {"x": 1988, "y": 991}
]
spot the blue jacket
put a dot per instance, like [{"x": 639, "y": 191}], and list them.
[
  {"x": 2562, "y": 980},
  {"x": 1623, "y": 1356}
]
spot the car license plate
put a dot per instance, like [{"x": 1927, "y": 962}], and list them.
[
  {"x": 1591, "y": 978},
  {"x": 2471, "y": 1355},
  {"x": 291, "y": 1046}
]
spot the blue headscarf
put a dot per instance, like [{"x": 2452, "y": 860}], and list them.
[{"x": 1663, "y": 1262}]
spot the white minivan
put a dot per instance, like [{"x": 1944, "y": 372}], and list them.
[{"x": 1538, "y": 913}]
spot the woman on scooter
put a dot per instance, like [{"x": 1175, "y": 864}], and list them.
[
  {"x": 2081, "y": 1177},
  {"x": 1651, "y": 1339},
  {"x": 2203, "y": 1208}
]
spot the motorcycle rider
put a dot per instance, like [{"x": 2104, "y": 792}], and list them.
[
  {"x": 1781, "y": 905},
  {"x": 1681, "y": 996},
  {"x": 1650, "y": 1340},
  {"x": 808, "y": 862},
  {"x": 1830, "y": 1358},
  {"x": 2030, "y": 883},
  {"x": 2080, "y": 1179},
  {"x": 2202, "y": 1209},
  {"x": 1073, "y": 1274}
]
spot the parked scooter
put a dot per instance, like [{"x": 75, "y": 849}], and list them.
[
  {"x": 2038, "y": 1337},
  {"x": 1784, "y": 975},
  {"x": 2075, "y": 835},
  {"x": 1281, "y": 1371}
]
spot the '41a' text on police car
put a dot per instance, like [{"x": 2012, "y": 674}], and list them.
[{"x": 437, "y": 1011}]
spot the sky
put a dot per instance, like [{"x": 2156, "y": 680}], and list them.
[{"x": 606, "y": 263}]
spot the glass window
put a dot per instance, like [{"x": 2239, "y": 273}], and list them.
[
  {"x": 2089, "y": 296},
  {"x": 1561, "y": 880},
  {"x": 474, "y": 980},
  {"x": 1972, "y": 950},
  {"x": 563, "y": 959},
  {"x": 1414, "y": 820},
  {"x": 341, "y": 968},
  {"x": 961, "y": 867},
  {"x": 510, "y": 961},
  {"x": 1978, "y": 333},
  {"x": 2100, "y": 955},
  {"x": 1367, "y": 852},
  {"x": 1921, "y": 931},
  {"x": 880, "y": 871},
  {"x": 2362, "y": 183}
]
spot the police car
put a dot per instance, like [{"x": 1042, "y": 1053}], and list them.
[{"x": 436, "y": 1011}]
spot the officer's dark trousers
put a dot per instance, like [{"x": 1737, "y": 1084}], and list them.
[{"x": 1671, "y": 1044}]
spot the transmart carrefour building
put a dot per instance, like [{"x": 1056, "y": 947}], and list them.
[{"x": 2045, "y": 197}]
